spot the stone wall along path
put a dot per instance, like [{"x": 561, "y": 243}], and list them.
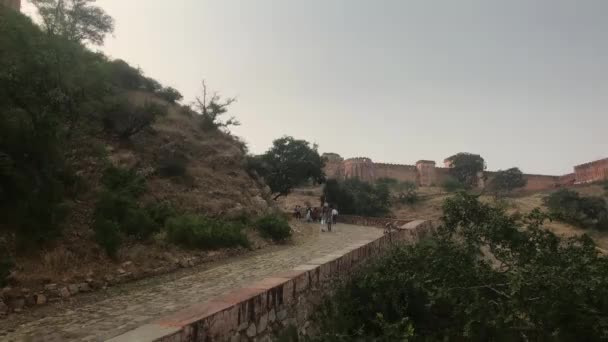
[{"x": 128, "y": 306}]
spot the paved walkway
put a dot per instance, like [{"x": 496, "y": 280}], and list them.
[{"x": 122, "y": 308}]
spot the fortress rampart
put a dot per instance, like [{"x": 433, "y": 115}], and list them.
[{"x": 426, "y": 173}]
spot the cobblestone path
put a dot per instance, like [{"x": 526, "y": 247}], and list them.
[{"x": 122, "y": 308}]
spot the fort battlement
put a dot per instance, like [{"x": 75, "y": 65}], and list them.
[{"x": 426, "y": 173}]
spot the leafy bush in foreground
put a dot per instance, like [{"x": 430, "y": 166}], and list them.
[
  {"x": 486, "y": 276},
  {"x": 274, "y": 227},
  {"x": 585, "y": 212},
  {"x": 192, "y": 231}
]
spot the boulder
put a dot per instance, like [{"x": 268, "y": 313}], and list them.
[{"x": 40, "y": 299}]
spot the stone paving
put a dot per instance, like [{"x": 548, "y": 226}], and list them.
[{"x": 128, "y": 306}]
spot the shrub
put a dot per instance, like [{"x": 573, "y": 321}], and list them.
[
  {"x": 535, "y": 286},
  {"x": 355, "y": 197},
  {"x": 139, "y": 224},
  {"x": 274, "y": 227},
  {"x": 406, "y": 192},
  {"x": 170, "y": 94},
  {"x": 123, "y": 180},
  {"x": 586, "y": 212},
  {"x": 161, "y": 212},
  {"x": 173, "y": 165},
  {"x": 107, "y": 235},
  {"x": 199, "y": 232},
  {"x": 451, "y": 184},
  {"x": 126, "y": 119},
  {"x": 6, "y": 264}
]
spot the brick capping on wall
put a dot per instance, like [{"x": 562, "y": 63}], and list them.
[{"x": 254, "y": 312}]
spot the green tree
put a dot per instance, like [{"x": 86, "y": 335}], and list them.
[
  {"x": 170, "y": 94},
  {"x": 355, "y": 197},
  {"x": 289, "y": 163},
  {"x": 47, "y": 84},
  {"x": 75, "y": 20},
  {"x": 505, "y": 181},
  {"x": 466, "y": 167},
  {"x": 485, "y": 276},
  {"x": 583, "y": 211}
]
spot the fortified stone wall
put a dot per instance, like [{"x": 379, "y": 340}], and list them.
[
  {"x": 14, "y": 4},
  {"x": 399, "y": 172},
  {"x": 426, "y": 173},
  {"x": 591, "y": 172},
  {"x": 263, "y": 309}
]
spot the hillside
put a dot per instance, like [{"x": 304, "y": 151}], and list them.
[{"x": 105, "y": 177}]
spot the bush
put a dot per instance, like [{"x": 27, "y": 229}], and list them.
[
  {"x": 451, "y": 184},
  {"x": 585, "y": 212},
  {"x": 199, "y": 232},
  {"x": 161, "y": 212},
  {"x": 526, "y": 285},
  {"x": 170, "y": 94},
  {"x": 274, "y": 227},
  {"x": 125, "y": 119},
  {"x": 139, "y": 224},
  {"x": 123, "y": 180},
  {"x": 173, "y": 165},
  {"x": 355, "y": 197},
  {"x": 406, "y": 192},
  {"x": 107, "y": 235}
]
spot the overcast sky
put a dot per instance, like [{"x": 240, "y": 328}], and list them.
[{"x": 521, "y": 82}]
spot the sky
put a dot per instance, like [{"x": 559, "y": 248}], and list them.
[{"x": 523, "y": 83}]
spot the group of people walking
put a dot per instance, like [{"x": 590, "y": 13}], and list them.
[{"x": 327, "y": 215}]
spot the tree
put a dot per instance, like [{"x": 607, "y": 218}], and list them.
[
  {"x": 75, "y": 20},
  {"x": 505, "y": 181},
  {"x": 485, "y": 276},
  {"x": 211, "y": 107},
  {"x": 289, "y": 163},
  {"x": 465, "y": 167},
  {"x": 356, "y": 197},
  {"x": 170, "y": 94}
]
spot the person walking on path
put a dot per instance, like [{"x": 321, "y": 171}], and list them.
[
  {"x": 328, "y": 217},
  {"x": 334, "y": 215}
]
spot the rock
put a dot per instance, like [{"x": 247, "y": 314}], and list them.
[
  {"x": 281, "y": 315},
  {"x": 252, "y": 330},
  {"x": 121, "y": 271},
  {"x": 127, "y": 264},
  {"x": 236, "y": 337},
  {"x": 263, "y": 323},
  {"x": 3, "y": 308},
  {"x": 212, "y": 254},
  {"x": 40, "y": 299},
  {"x": 272, "y": 316},
  {"x": 17, "y": 304},
  {"x": 84, "y": 287},
  {"x": 243, "y": 326},
  {"x": 25, "y": 291},
  {"x": 50, "y": 287},
  {"x": 73, "y": 288},
  {"x": 183, "y": 263},
  {"x": 64, "y": 292},
  {"x": 90, "y": 274}
]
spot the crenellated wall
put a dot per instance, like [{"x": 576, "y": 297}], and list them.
[
  {"x": 591, "y": 172},
  {"x": 426, "y": 173}
]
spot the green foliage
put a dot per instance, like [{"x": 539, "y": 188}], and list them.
[
  {"x": 198, "y": 232},
  {"x": 126, "y": 119},
  {"x": 451, "y": 184},
  {"x": 172, "y": 165},
  {"x": 160, "y": 212},
  {"x": 465, "y": 167},
  {"x": 505, "y": 181},
  {"x": 6, "y": 264},
  {"x": 355, "y": 197},
  {"x": 123, "y": 180},
  {"x": 406, "y": 192},
  {"x": 118, "y": 214},
  {"x": 107, "y": 235},
  {"x": 274, "y": 227},
  {"x": 586, "y": 212},
  {"x": 75, "y": 20},
  {"x": 124, "y": 76},
  {"x": 46, "y": 84},
  {"x": 486, "y": 276},
  {"x": 169, "y": 94},
  {"x": 287, "y": 164}
]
